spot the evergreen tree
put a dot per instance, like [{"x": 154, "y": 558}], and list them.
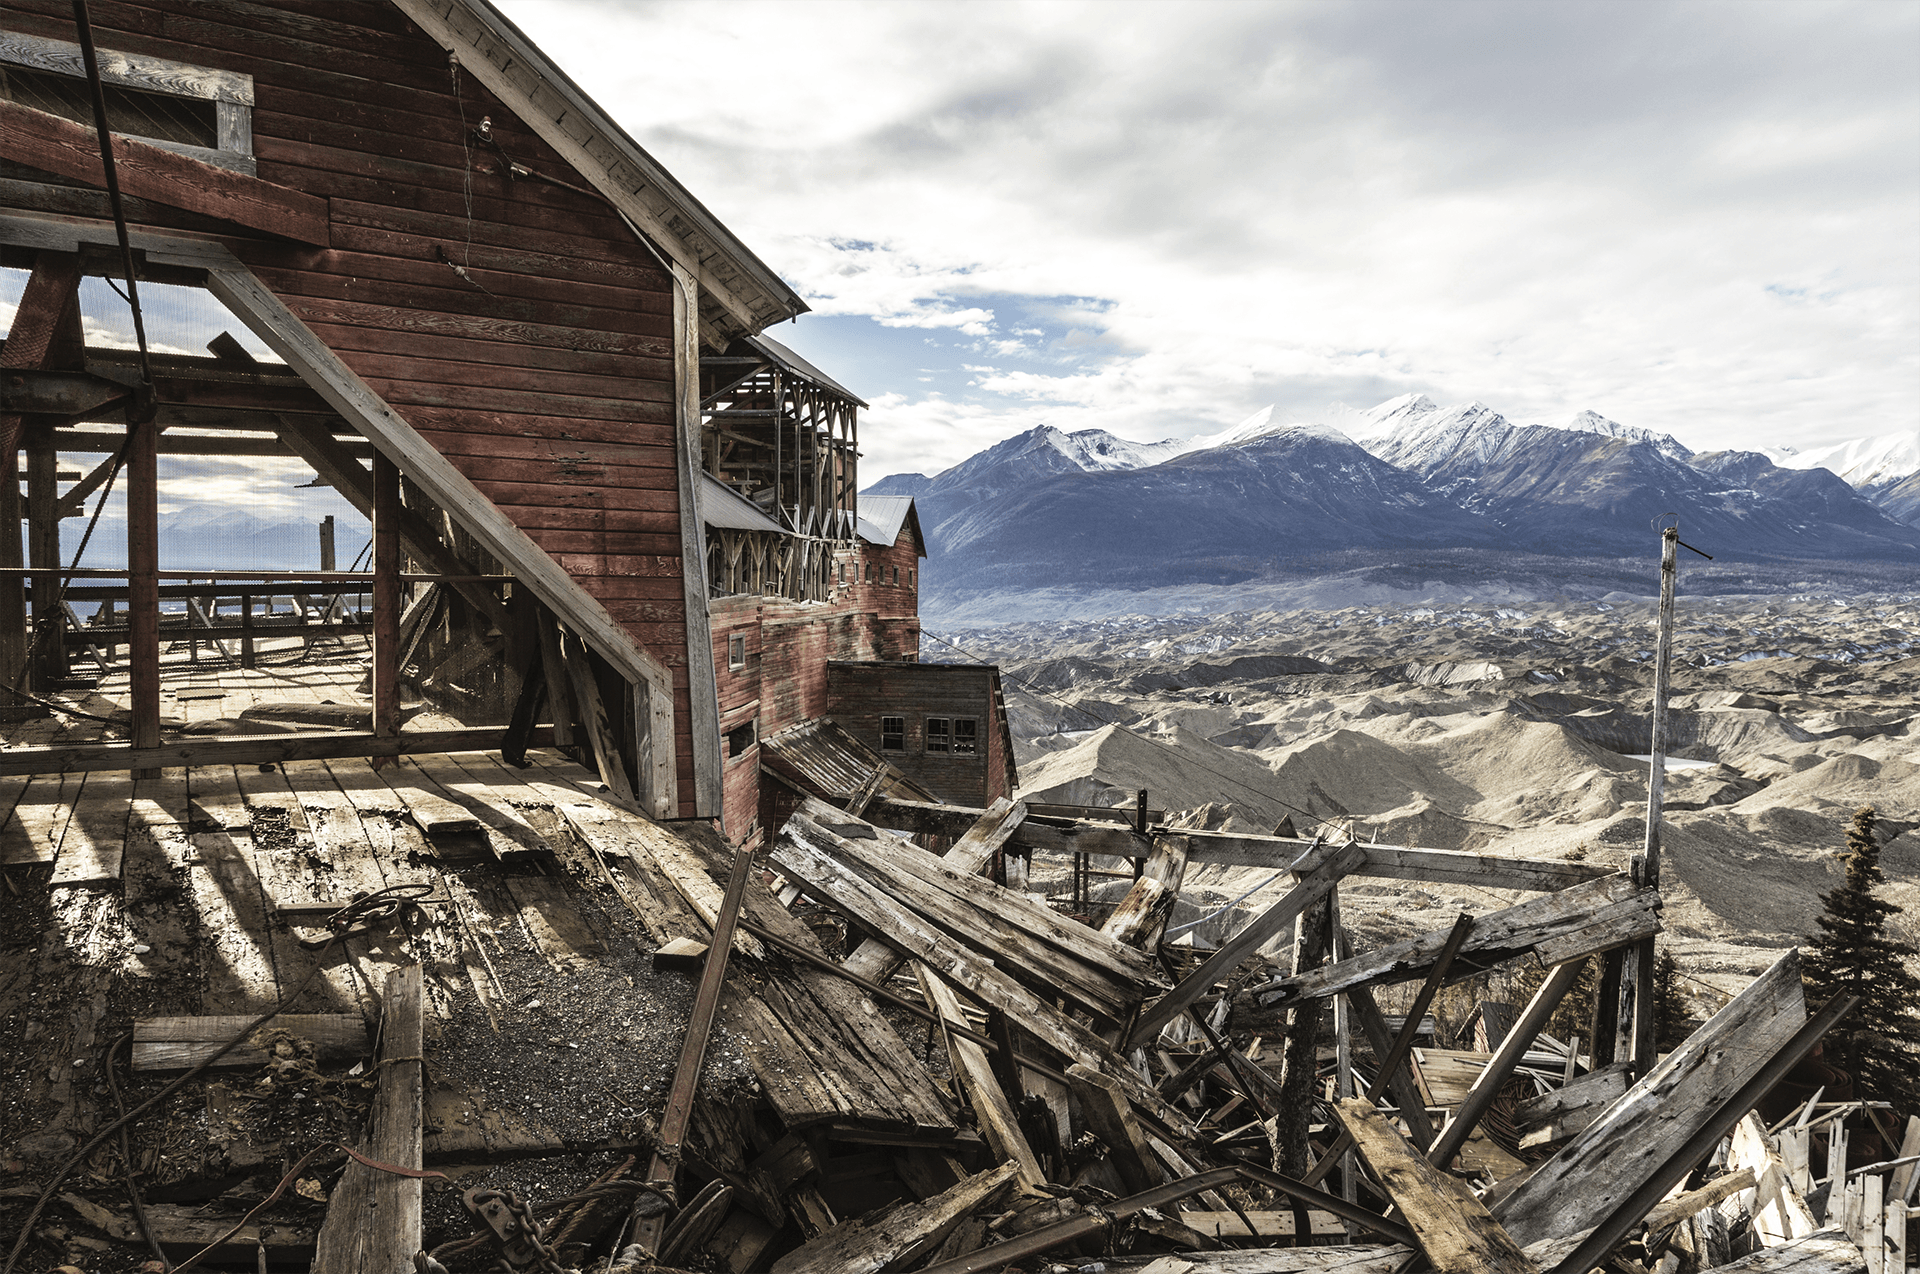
[
  {"x": 1670, "y": 1016},
  {"x": 1854, "y": 954}
]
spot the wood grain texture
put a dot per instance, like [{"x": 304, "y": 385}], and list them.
[
  {"x": 1602, "y": 1166},
  {"x": 1455, "y": 1231},
  {"x": 179, "y": 1043},
  {"x": 992, "y": 1112}
]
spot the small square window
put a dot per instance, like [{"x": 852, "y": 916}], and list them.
[
  {"x": 893, "y": 734},
  {"x": 737, "y": 650},
  {"x": 939, "y": 734},
  {"x": 965, "y": 736},
  {"x": 739, "y": 739}
]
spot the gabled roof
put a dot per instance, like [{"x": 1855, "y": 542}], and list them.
[
  {"x": 746, "y": 295},
  {"x": 882, "y": 517},
  {"x": 721, "y": 505}
]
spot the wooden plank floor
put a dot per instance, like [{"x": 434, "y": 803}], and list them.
[{"x": 203, "y": 891}]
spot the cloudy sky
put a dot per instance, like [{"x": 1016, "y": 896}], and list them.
[{"x": 1159, "y": 218}]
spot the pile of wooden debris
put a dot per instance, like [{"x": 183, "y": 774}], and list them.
[{"x": 895, "y": 1053}]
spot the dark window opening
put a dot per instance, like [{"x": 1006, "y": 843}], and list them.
[
  {"x": 896, "y": 576},
  {"x": 893, "y": 734},
  {"x": 939, "y": 734},
  {"x": 910, "y": 577},
  {"x": 737, "y": 650},
  {"x": 869, "y": 572},
  {"x": 186, "y": 121},
  {"x": 965, "y": 736},
  {"x": 739, "y": 739}
]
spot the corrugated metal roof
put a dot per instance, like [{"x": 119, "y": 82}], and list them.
[
  {"x": 882, "y": 516},
  {"x": 827, "y": 761},
  {"x": 721, "y": 505},
  {"x": 799, "y": 366}
]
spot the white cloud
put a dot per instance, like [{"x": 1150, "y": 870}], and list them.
[{"x": 1693, "y": 216}]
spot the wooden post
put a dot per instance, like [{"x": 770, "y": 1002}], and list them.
[
  {"x": 143, "y": 581},
  {"x": 43, "y": 553},
  {"x": 373, "y": 1219},
  {"x": 1343, "y": 1087},
  {"x": 1645, "y": 1046},
  {"x": 1301, "y": 1053},
  {"x": 386, "y": 597},
  {"x": 247, "y": 659},
  {"x": 13, "y": 594},
  {"x": 327, "y": 558}
]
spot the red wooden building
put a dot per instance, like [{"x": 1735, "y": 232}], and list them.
[{"x": 616, "y": 497}]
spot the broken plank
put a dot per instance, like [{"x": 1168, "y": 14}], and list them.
[
  {"x": 373, "y": 1220},
  {"x": 1597, "y": 1170},
  {"x": 992, "y": 1111},
  {"x": 181, "y": 1043},
  {"x": 1498, "y": 936},
  {"x": 39, "y": 821},
  {"x": 426, "y": 802},
  {"x": 1823, "y": 1252},
  {"x": 828, "y": 879},
  {"x": 1778, "y": 1210},
  {"x": 1556, "y": 1115},
  {"x": 1109, "y": 1118},
  {"x": 895, "y": 1238},
  {"x": 1313, "y": 886},
  {"x": 556, "y": 925},
  {"x": 1020, "y": 934},
  {"x": 1141, "y": 915},
  {"x": 972, "y": 854},
  {"x": 1453, "y": 1229},
  {"x": 1676, "y": 1210}
]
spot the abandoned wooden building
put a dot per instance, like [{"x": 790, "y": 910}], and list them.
[{"x": 614, "y": 888}]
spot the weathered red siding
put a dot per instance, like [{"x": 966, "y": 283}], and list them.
[{"x": 545, "y": 372}]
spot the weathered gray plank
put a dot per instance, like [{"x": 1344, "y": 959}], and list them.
[
  {"x": 373, "y": 1220},
  {"x": 180, "y": 1043},
  {"x": 892, "y": 1240},
  {"x": 1824, "y": 1252},
  {"x": 1500, "y": 935},
  {"x": 971, "y": 854},
  {"x": 993, "y": 1113},
  {"x": 1455, "y": 1231},
  {"x": 1596, "y": 1171}
]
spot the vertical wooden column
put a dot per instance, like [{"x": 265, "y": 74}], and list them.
[
  {"x": 45, "y": 333},
  {"x": 43, "y": 553},
  {"x": 386, "y": 597},
  {"x": 327, "y": 558},
  {"x": 1645, "y": 1046},
  {"x": 143, "y": 580}
]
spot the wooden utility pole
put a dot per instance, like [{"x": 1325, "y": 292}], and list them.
[{"x": 1645, "y": 1046}]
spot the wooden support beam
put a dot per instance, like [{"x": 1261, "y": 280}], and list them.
[
  {"x": 992, "y": 1111},
  {"x": 1314, "y": 885},
  {"x": 1406, "y": 1097},
  {"x": 607, "y": 759},
  {"x": 52, "y": 144},
  {"x": 316, "y": 444},
  {"x": 373, "y": 1219},
  {"x": 1452, "y": 1227},
  {"x": 386, "y": 598},
  {"x": 261, "y": 749},
  {"x": 1384, "y": 862},
  {"x": 703, "y": 691},
  {"x": 1595, "y": 916}
]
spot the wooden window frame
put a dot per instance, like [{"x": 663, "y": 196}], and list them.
[
  {"x": 736, "y": 651},
  {"x": 231, "y": 92},
  {"x": 900, "y": 734},
  {"x": 972, "y": 745},
  {"x": 939, "y": 735},
  {"x": 742, "y": 739}
]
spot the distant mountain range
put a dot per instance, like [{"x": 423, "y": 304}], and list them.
[{"x": 1051, "y": 510}]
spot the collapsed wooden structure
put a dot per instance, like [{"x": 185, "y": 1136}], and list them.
[{"x": 899, "y": 1059}]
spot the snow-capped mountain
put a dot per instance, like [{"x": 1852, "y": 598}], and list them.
[
  {"x": 1863, "y": 462},
  {"x": 1592, "y": 422},
  {"x": 1047, "y": 508}
]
